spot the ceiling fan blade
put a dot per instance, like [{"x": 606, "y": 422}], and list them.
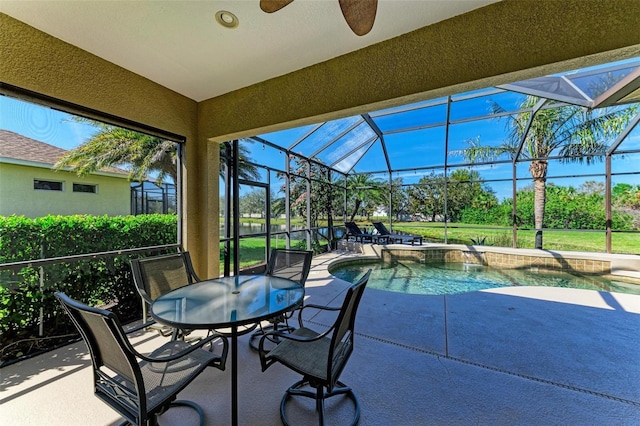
[
  {"x": 271, "y": 6},
  {"x": 359, "y": 14}
]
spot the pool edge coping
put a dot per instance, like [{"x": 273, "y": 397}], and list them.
[{"x": 621, "y": 266}]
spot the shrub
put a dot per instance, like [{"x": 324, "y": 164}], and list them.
[{"x": 101, "y": 281}]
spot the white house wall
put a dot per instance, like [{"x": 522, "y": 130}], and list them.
[{"x": 18, "y": 196}]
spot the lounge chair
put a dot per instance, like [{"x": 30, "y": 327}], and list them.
[
  {"x": 397, "y": 238},
  {"x": 359, "y": 236}
]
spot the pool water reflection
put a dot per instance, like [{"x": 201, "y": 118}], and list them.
[{"x": 452, "y": 278}]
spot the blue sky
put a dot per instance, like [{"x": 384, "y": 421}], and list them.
[
  {"x": 58, "y": 129},
  {"x": 42, "y": 123},
  {"x": 422, "y": 148}
]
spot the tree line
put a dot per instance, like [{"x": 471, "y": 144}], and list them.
[
  {"x": 542, "y": 130},
  {"x": 468, "y": 200}
]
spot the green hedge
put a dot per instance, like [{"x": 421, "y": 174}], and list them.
[
  {"x": 583, "y": 212},
  {"x": 105, "y": 281}
]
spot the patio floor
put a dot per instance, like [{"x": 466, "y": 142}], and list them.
[{"x": 515, "y": 356}]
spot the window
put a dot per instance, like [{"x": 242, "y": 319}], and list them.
[
  {"x": 47, "y": 185},
  {"x": 81, "y": 187}
]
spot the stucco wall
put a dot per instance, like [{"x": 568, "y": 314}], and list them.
[
  {"x": 17, "y": 195},
  {"x": 33, "y": 60},
  {"x": 501, "y": 43}
]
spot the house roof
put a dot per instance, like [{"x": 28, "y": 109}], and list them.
[{"x": 15, "y": 146}]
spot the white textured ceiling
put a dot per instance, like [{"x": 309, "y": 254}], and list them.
[{"x": 179, "y": 45}]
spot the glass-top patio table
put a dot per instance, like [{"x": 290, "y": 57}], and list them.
[{"x": 227, "y": 302}]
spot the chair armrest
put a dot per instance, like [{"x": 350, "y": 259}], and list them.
[
  {"x": 139, "y": 327},
  {"x": 190, "y": 349},
  {"x": 314, "y": 306},
  {"x": 322, "y": 307},
  {"x": 290, "y": 336}
]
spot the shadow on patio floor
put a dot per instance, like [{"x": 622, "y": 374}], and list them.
[{"x": 519, "y": 355}]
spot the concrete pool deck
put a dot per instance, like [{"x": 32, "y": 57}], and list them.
[{"x": 516, "y": 356}]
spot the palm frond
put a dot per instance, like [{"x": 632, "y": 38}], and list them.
[
  {"x": 114, "y": 146},
  {"x": 476, "y": 152}
]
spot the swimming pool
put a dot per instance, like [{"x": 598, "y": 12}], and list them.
[{"x": 452, "y": 278}]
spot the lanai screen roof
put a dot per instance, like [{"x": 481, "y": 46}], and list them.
[{"x": 424, "y": 135}]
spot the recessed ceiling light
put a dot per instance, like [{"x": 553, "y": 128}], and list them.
[{"x": 226, "y": 19}]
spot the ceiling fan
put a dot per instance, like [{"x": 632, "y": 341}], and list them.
[{"x": 359, "y": 14}]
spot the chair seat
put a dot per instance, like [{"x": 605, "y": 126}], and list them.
[
  {"x": 307, "y": 358},
  {"x": 163, "y": 380},
  {"x": 194, "y": 359}
]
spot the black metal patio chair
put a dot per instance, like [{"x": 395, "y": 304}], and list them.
[
  {"x": 140, "y": 387},
  {"x": 319, "y": 356},
  {"x": 157, "y": 275},
  {"x": 397, "y": 238},
  {"x": 290, "y": 264}
]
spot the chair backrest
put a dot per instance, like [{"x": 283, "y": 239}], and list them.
[
  {"x": 381, "y": 228},
  {"x": 108, "y": 346},
  {"x": 290, "y": 264},
  {"x": 342, "y": 338},
  {"x": 155, "y": 276},
  {"x": 352, "y": 228}
]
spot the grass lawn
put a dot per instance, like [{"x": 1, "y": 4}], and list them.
[
  {"x": 461, "y": 233},
  {"x": 252, "y": 250}
]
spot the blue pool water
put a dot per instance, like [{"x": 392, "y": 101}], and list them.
[{"x": 453, "y": 278}]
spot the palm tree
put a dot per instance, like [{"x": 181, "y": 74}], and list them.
[
  {"x": 363, "y": 187},
  {"x": 245, "y": 170},
  {"x": 574, "y": 133},
  {"x": 142, "y": 153}
]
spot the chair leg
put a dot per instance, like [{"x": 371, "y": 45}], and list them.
[
  {"x": 320, "y": 404},
  {"x": 181, "y": 403},
  {"x": 153, "y": 419},
  {"x": 297, "y": 389}
]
